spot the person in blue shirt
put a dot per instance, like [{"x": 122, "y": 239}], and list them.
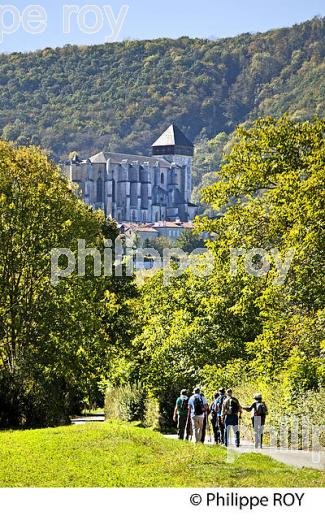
[
  {"x": 221, "y": 426},
  {"x": 198, "y": 406}
]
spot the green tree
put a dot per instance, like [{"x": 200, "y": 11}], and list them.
[
  {"x": 188, "y": 241},
  {"x": 276, "y": 202},
  {"x": 233, "y": 327},
  {"x": 161, "y": 243},
  {"x": 56, "y": 342}
]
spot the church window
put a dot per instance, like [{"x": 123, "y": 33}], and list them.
[
  {"x": 99, "y": 190},
  {"x": 162, "y": 178}
]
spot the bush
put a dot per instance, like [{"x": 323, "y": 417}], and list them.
[
  {"x": 27, "y": 402},
  {"x": 126, "y": 403},
  {"x": 311, "y": 406},
  {"x": 153, "y": 417},
  {"x": 10, "y": 405},
  {"x": 131, "y": 403}
]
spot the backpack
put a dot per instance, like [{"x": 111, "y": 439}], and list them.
[
  {"x": 214, "y": 409},
  {"x": 260, "y": 409},
  {"x": 232, "y": 406},
  {"x": 219, "y": 403},
  {"x": 198, "y": 405},
  {"x": 184, "y": 405}
]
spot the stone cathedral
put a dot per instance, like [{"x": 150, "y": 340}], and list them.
[{"x": 135, "y": 188}]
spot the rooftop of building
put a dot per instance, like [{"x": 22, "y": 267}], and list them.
[
  {"x": 158, "y": 225},
  {"x": 173, "y": 136},
  {"x": 175, "y": 225},
  {"x": 118, "y": 158}
]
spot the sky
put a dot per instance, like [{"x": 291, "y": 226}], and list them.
[{"x": 26, "y": 26}]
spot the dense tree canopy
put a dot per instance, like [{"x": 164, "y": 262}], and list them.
[
  {"x": 260, "y": 315},
  {"x": 57, "y": 342}
]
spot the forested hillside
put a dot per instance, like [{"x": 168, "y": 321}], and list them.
[{"x": 122, "y": 95}]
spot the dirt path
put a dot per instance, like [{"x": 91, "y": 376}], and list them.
[
  {"x": 297, "y": 458},
  {"x": 84, "y": 419}
]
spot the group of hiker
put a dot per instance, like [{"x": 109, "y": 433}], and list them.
[{"x": 194, "y": 415}]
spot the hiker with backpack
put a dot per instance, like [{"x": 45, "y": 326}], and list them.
[
  {"x": 230, "y": 415},
  {"x": 221, "y": 426},
  {"x": 181, "y": 415},
  {"x": 205, "y": 420},
  {"x": 259, "y": 412},
  {"x": 198, "y": 406},
  {"x": 214, "y": 417}
]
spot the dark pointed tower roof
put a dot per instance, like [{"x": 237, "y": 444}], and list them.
[{"x": 173, "y": 142}]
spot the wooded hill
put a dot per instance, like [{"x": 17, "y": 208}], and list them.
[{"x": 123, "y": 95}]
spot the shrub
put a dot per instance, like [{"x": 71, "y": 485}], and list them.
[
  {"x": 131, "y": 403},
  {"x": 126, "y": 403},
  {"x": 50, "y": 403},
  {"x": 153, "y": 416},
  {"x": 27, "y": 402}
]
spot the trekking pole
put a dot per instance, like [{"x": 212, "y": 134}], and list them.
[
  {"x": 186, "y": 426},
  {"x": 191, "y": 425},
  {"x": 209, "y": 429},
  {"x": 239, "y": 426}
]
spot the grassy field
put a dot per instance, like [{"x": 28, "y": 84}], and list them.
[{"x": 121, "y": 455}]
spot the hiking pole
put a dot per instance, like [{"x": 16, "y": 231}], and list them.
[
  {"x": 186, "y": 426},
  {"x": 209, "y": 428},
  {"x": 191, "y": 425},
  {"x": 239, "y": 427}
]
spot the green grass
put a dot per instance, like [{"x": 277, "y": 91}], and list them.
[{"x": 121, "y": 455}]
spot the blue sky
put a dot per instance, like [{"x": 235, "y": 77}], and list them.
[{"x": 143, "y": 19}]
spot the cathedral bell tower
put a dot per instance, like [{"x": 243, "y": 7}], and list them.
[{"x": 176, "y": 148}]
